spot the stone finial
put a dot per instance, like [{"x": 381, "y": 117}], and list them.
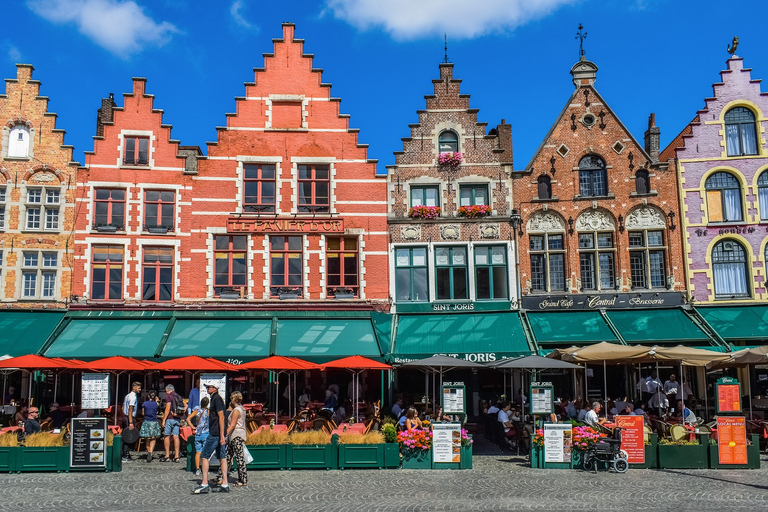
[{"x": 584, "y": 72}]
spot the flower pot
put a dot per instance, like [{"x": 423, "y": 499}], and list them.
[
  {"x": 417, "y": 459},
  {"x": 466, "y": 457},
  {"x": 391, "y": 455},
  {"x": 269, "y": 456}
]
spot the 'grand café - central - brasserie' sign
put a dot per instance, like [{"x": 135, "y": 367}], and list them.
[
  {"x": 606, "y": 301},
  {"x": 284, "y": 225}
]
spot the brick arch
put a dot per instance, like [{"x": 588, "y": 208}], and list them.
[
  {"x": 18, "y": 120},
  {"x": 590, "y": 216},
  {"x": 43, "y": 169},
  {"x": 646, "y": 216},
  {"x": 542, "y": 221}
]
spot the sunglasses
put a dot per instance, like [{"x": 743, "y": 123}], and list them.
[{"x": 34, "y": 412}]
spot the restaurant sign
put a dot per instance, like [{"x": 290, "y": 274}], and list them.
[
  {"x": 475, "y": 357},
  {"x": 603, "y": 301},
  {"x": 284, "y": 225}
]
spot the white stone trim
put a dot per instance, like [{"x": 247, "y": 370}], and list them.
[
  {"x": 88, "y": 257},
  {"x": 136, "y": 133}
]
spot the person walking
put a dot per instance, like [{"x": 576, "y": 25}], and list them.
[
  {"x": 215, "y": 442},
  {"x": 199, "y": 421},
  {"x": 174, "y": 411},
  {"x": 150, "y": 428},
  {"x": 130, "y": 406},
  {"x": 236, "y": 436}
]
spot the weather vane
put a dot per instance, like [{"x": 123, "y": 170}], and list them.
[
  {"x": 581, "y": 36},
  {"x": 446, "y": 48},
  {"x": 734, "y": 44}
]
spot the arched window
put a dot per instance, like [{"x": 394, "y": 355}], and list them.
[
  {"x": 18, "y": 142},
  {"x": 762, "y": 194},
  {"x": 740, "y": 133},
  {"x": 723, "y": 198},
  {"x": 642, "y": 182},
  {"x": 729, "y": 267},
  {"x": 448, "y": 142},
  {"x": 593, "y": 180},
  {"x": 545, "y": 187}
]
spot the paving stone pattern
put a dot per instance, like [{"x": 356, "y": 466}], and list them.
[{"x": 498, "y": 482}]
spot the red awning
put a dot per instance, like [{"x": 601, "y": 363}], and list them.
[
  {"x": 279, "y": 363},
  {"x": 192, "y": 363},
  {"x": 116, "y": 363},
  {"x": 357, "y": 363},
  {"x": 35, "y": 362}
]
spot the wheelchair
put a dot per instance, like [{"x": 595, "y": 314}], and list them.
[{"x": 607, "y": 450}]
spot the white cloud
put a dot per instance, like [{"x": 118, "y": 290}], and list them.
[
  {"x": 14, "y": 55},
  {"x": 119, "y": 26},
  {"x": 234, "y": 10},
  {"x": 412, "y": 19}
]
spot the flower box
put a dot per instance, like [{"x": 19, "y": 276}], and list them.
[
  {"x": 466, "y": 457},
  {"x": 312, "y": 456},
  {"x": 753, "y": 456},
  {"x": 473, "y": 212},
  {"x": 8, "y": 459},
  {"x": 362, "y": 456},
  {"x": 268, "y": 456},
  {"x": 693, "y": 456},
  {"x": 417, "y": 459},
  {"x": 450, "y": 159},
  {"x": 537, "y": 457},
  {"x": 424, "y": 212},
  {"x": 42, "y": 458}
]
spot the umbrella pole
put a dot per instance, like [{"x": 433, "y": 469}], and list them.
[
  {"x": 117, "y": 393},
  {"x": 55, "y": 385},
  {"x": 605, "y": 384},
  {"x": 586, "y": 385},
  {"x": 682, "y": 393},
  {"x": 749, "y": 391}
]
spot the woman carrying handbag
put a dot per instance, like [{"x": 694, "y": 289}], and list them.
[{"x": 236, "y": 436}]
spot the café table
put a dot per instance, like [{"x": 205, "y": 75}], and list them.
[
  {"x": 255, "y": 407},
  {"x": 10, "y": 429}
]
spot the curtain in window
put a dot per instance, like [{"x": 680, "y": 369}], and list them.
[
  {"x": 732, "y": 204},
  {"x": 763, "y": 196},
  {"x": 748, "y": 139},
  {"x": 732, "y": 139},
  {"x": 730, "y": 279}
]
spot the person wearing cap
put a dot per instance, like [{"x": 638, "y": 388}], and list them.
[{"x": 215, "y": 442}]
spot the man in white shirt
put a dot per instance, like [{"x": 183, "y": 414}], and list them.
[
  {"x": 130, "y": 405},
  {"x": 591, "y": 417},
  {"x": 659, "y": 401},
  {"x": 671, "y": 387},
  {"x": 504, "y": 418},
  {"x": 652, "y": 384},
  {"x": 494, "y": 409}
]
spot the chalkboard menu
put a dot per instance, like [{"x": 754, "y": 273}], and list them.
[{"x": 89, "y": 443}]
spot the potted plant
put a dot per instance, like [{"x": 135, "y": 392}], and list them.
[
  {"x": 537, "y": 449},
  {"x": 475, "y": 211},
  {"x": 268, "y": 449},
  {"x": 424, "y": 212},
  {"x": 684, "y": 454},
  {"x": 466, "y": 450},
  {"x": 450, "y": 159},
  {"x": 364, "y": 451},
  {"x": 313, "y": 449},
  {"x": 584, "y": 437},
  {"x": 416, "y": 449}
]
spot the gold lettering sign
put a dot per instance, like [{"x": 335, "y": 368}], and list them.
[{"x": 289, "y": 225}]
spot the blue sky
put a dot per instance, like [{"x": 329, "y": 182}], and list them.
[{"x": 513, "y": 56}]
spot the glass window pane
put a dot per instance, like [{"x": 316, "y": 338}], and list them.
[
  {"x": 483, "y": 282},
  {"x": 443, "y": 283},
  {"x": 481, "y": 195},
  {"x": 321, "y": 172},
  {"x": 459, "y": 256},
  {"x": 430, "y": 196},
  {"x": 555, "y": 242},
  {"x": 460, "y": 283},
  {"x": 538, "y": 277},
  {"x": 586, "y": 241},
  {"x": 239, "y": 243},
  {"x": 604, "y": 240},
  {"x": 655, "y": 238},
  {"x": 536, "y": 242},
  {"x": 402, "y": 257},
  {"x": 636, "y": 239},
  {"x": 441, "y": 256},
  {"x": 498, "y": 256},
  {"x": 403, "y": 284},
  {"x": 481, "y": 256},
  {"x": 419, "y": 256},
  {"x": 465, "y": 196},
  {"x": 268, "y": 171},
  {"x": 350, "y": 244},
  {"x": 333, "y": 244},
  {"x": 420, "y": 284},
  {"x": 294, "y": 243},
  {"x": 587, "y": 264},
  {"x": 304, "y": 172},
  {"x": 500, "y": 282},
  {"x": 557, "y": 272},
  {"x": 606, "y": 271}
]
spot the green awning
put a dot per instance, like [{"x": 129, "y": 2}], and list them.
[
  {"x": 657, "y": 326},
  {"x": 25, "y": 332},
  {"x": 737, "y": 323},
  {"x": 570, "y": 328},
  {"x": 467, "y": 336},
  {"x": 94, "y": 338},
  {"x": 324, "y": 340},
  {"x": 224, "y": 338}
]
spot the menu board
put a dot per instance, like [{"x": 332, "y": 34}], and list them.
[
  {"x": 728, "y": 393},
  {"x": 453, "y": 399},
  {"x": 220, "y": 379},
  {"x": 94, "y": 391},
  {"x": 632, "y": 437},
  {"x": 557, "y": 442},
  {"x": 89, "y": 443},
  {"x": 542, "y": 401},
  {"x": 446, "y": 442},
  {"x": 732, "y": 440}
]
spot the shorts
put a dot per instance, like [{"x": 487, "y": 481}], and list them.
[
  {"x": 200, "y": 441},
  {"x": 171, "y": 427},
  {"x": 211, "y": 445}
]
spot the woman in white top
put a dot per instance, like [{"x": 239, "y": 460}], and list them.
[{"x": 236, "y": 436}]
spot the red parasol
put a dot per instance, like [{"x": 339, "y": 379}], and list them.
[
  {"x": 116, "y": 364},
  {"x": 35, "y": 362},
  {"x": 192, "y": 363},
  {"x": 275, "y": 363},
  {"x": 357, "y": 363}
]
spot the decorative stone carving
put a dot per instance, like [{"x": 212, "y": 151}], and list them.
[
  {"x": 646, "y": 217},
  {"x": 546, "y": 221},
  {"x": 44, "y": 177},
  {"x": 595, "y": 220},
  {"x": 410, "y": 232},
  {"x": 489, "y": 231},
  {"x": 450, "y": 232}
]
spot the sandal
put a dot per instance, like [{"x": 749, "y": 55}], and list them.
[
  {"x": 164, "y": 459},
  {"x": 239, "y": 484},
  {"x": 176, "y": 460}
]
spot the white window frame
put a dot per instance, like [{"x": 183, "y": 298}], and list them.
[
  {"x": 39, "y": 271},
  {"x": 45, "y": 207}
]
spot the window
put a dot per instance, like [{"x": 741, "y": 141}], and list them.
[
  {"x": 544, "y": 187},
  {"x": 642, "y": 182},
  {"x": 43, "y": 209},
  {"x": 38, "y": 275},
  {"x": 157, "y": 282},
  {"x": 136, "y": 151},
  {"x": 425, "y": 195},
  {"x": 411, "y": 281},
  {"x": 3, "y": 191},
  {"x": 762, "y": 194},
  {"x": 159, "y": 209},
  {"x": 596, "y": 259},
  {"x": 230, "y": 265},
  {"x": 473, "y": 195},
  {"x": 107, "y": 272},
  {"x": 729, "y": 266},
  {"x": 286, "y": 264},
  {"x": 314, "y": 188},
  {"x": 646, "y": 259},
  {"x": 547, "y": 262},
  {"x": 451, "y": 273},
  {"x": 109, "y": 208},
  {"x": 491, "y": 272},
  {"x": 740, "y": 133},
  {"x": 448, "y": 142},
  {"x": 593, "y": 180},
  {"x": 723, "y": 197},
  {"x": 18, "y": 142},
  {"x": 341, "y": 265},
  {"x": 259, "y": 185}
]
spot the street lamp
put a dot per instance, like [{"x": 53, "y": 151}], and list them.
[{"x": 516, "y": 221}]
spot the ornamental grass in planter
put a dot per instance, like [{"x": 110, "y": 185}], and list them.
[
  {"x": 683, "y": 454},
  {"x": 9, "y": 440}
]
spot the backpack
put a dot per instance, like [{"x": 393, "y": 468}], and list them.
[{"x": 178, "y": 407}]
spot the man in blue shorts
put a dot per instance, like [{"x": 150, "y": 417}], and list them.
[
  {"x": 215, "y": 442},
  {"x": 174, "y": 411}
]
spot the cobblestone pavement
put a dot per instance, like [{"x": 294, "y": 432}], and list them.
[{"x": 498, "y": 482}]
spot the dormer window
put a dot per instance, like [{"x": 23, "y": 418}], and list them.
[
  {"x": 448, "y": 142},
  {"x": 740, "y": 133},
  {"x": 18, "y": 142},
  {"x": 136, "y": 151}
]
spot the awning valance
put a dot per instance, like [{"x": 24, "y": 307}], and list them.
[{"x": 737, "y": 322}]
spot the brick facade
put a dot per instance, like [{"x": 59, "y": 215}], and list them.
[
  {"x": 483, "y": 174},
  {"x": 37, "y": 199},
  {"x": 700, "y": 154},
  {"x": 551, "y": 259}
]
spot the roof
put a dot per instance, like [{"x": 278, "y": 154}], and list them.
[{"x": 679, "y": 141}]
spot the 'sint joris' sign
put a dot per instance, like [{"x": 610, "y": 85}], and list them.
[{"x": 286, "y": 225}]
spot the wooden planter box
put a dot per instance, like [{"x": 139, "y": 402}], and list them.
[
  {"x": 753, "y": 456},
  {"x": 466, "y": 457},
  {"x": 362, "y": 456},
  {"x": 8, "y": 459},
  {"x": 651, "y": 454},
  {"x": 312, "y": 456},
  {"x": 270, "y": 456},
  {"x": 42, "y": 458},
  {"x": 684, "y": 456},
  {"x": 421, "y": 459}
]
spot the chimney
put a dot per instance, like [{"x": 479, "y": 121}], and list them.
[
  {"x": 191, "y": 154},
  {"x": 504, "y": 134},
  {"x": 652, "y": 139},
  {"x": 105, "y": 114}
]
